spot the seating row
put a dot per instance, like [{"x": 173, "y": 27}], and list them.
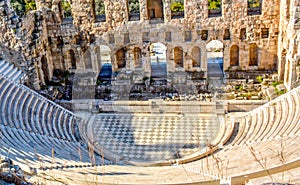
[
  {"x": 11, "y": 72},
  {"x": 23, "y": 109},
  {"x": 277, "y": 118}
]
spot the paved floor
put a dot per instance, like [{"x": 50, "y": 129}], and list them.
[{"x": 153, "y": 137}]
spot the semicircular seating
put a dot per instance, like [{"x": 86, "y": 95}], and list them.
[
  {"x": 275, "y": 119},
  {"x": 37, "y": 133}
]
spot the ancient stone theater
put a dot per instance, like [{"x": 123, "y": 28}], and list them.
[{"x": 150, "y": 92}]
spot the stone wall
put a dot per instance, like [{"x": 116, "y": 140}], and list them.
[{"x": 289, "y": 44}]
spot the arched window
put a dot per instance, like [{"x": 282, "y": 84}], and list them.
[
  {"x": 178, "y": 56},
  {"x": 254, "y": 7},
  {"x": 214, "y": 8},
  {"x": 99, "y": 8},
  {"x": 177, "y": 9},
  {"x": 253, "y": 55},
  {"x": 137, "y": 56},
  {"x": 134, "y": 10},
  {"x": 234, "y": 55},
  {"x": 196, "y": 56},
  {"x": 120, "y": 57}
]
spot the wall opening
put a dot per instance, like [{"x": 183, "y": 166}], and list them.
[
  {"x": 234, "y": 55},
  {"x": 67, "y": 11},
  {"x": 177, "y": 9},
  {"x": 126, "y": 38},
  {"x": 155, "y": 9},
  {"x": 254, "y": 7},
  {"x": 158, "y": 59},
  {"x": 214, "y": 8},
  {"x": 264, "y": 33},
  {"x": 111, "y": 38},
  {"x": 178, "y": 56},
  {"x": 243, "y": 34},
  {"x": 70, "y": 59},
  {"x": 88, "y": 60},
  {"x": 45, "y": 69},
  {"x": 105, "y": 73},
  {"x": 134, "y": 10},
  {"x": 214, "y": 50},
  {"x": 226, "y": 35},
  {"x": 99, "y": 11},
  {"x": 137, "y": 57},
  {"x": 168, "y": 36},
  {"x": 196, "y": 56},
  {"x": 253, "y": 55},
  {"x": 204, "y": 34},
  {"x": 281, "y": 69},
  {"x": 187, "y": 36},
  {"x": 121, "y": 58}
]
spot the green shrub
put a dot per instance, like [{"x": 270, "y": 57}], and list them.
[{"x": 259, "y": 79}]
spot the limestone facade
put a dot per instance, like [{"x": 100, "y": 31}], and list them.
[{"x": 250, "y": 41}]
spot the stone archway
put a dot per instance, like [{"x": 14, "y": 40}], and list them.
[
  {"x": 234, "y": 55},
  {"x": 214, "y": 50},
  {"x": 137, "y": 57},
  {"x": 121, "y": 58},
  {"x": 104, "y": 61},
  {"x": 196, "y": 56},
  {"x": 158, "y": 60},
  {"x": 253, "y": 55},
  {"x": 178, "y": 56},
  {"x": 105, "y": 55}
]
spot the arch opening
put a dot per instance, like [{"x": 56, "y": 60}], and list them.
[
  {"x": 253, "y": 55},
  {"x": 45, "y": 69},
  {"x": 99, "y": 11},
  {"x": 137, "y": 57},
  {"x": 234, "y": 55},
  {"x": 158, "y": 61},
  {"x": 214, "y": 51},
  {"x": 178, "y": 56},
  {"x": 196, "y": 56},
  {"x": 177, "y": 9},
  {"x": 134, "y": 10},
  {"x": 121, "y": 58}
]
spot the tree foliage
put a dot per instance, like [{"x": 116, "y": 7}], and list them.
[
  {"x": 23, "y": 6},
  {"x": 67, "y": 8},
  {"x": 134, "y": 6},
  {"x": 214, "y": 4},
  {"x": 99, "y": 7},
  {"x": 177, "y": 6},
  {"x": 30, "y": 5},
  {"x": 253, "y": 3}
]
